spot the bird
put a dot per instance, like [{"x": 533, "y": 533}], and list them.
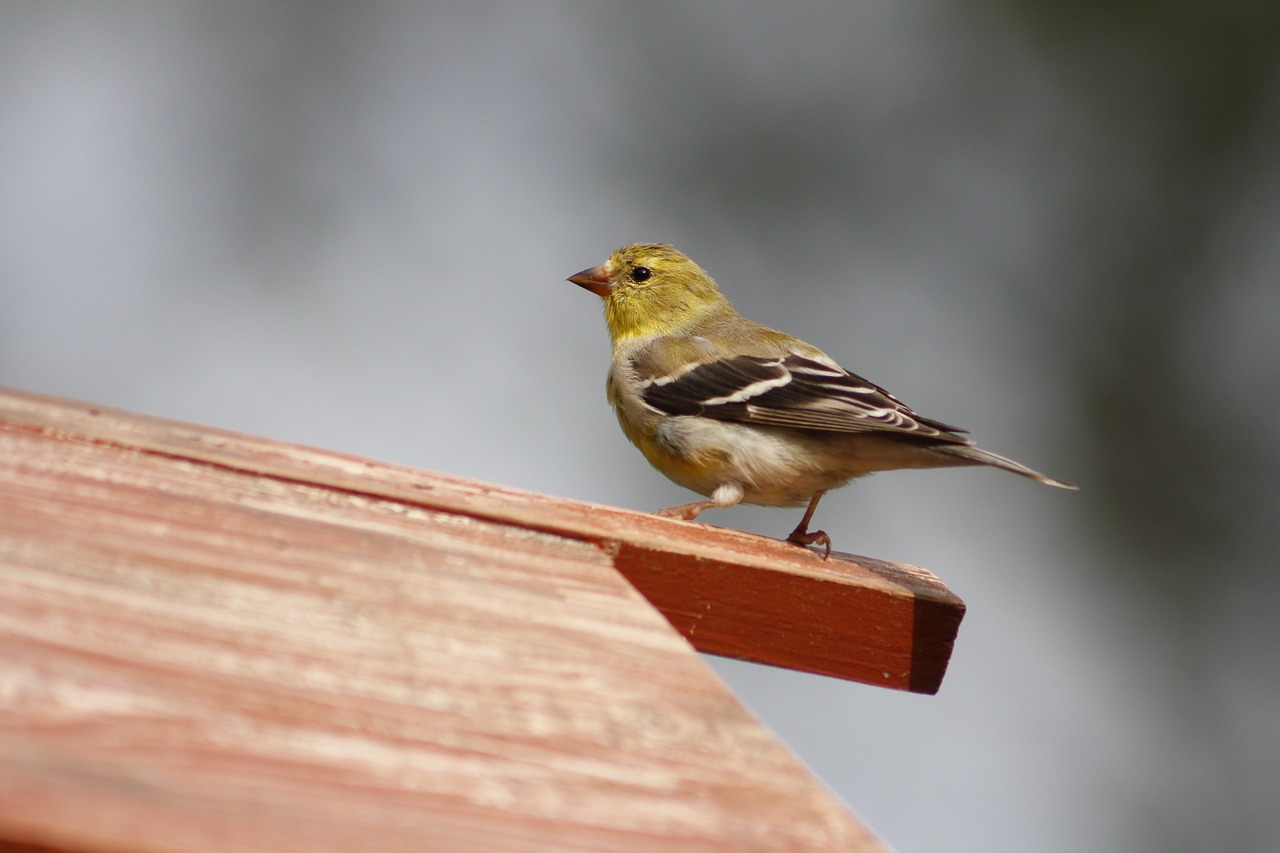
[{"x": 741, "y": 413}]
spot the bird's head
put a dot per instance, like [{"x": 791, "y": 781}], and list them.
[{"x": 651, "y": 289}]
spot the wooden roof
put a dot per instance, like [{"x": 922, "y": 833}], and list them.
[{"x": 215, "y": 642}]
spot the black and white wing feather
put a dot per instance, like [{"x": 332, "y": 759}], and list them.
[{"x": 790, "y": 391}]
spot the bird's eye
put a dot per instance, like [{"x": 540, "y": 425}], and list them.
[{"x": 640, "y": 274}]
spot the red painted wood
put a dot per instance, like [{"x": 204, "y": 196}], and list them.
[{"x": 199, "y": 657}]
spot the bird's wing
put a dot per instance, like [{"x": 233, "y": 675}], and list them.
[{"x": 789, "y": 390}]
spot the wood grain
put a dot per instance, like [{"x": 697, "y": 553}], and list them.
[
  {"x": 205, "y": 656},
  {"x": 730, "y": 593}
]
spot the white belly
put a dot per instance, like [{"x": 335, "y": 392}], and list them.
[{"x": 774, "y": 467}]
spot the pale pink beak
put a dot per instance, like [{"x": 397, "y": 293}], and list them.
[{"x": 595, "y": 279}]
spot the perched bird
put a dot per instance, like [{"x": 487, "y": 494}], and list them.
[{"x": 739, "y": 412}]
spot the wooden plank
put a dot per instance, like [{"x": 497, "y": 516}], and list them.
[
  {"x": 730, "y": 593},
  {"x": 200, "y": 658}
]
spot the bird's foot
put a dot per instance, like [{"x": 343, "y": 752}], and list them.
[
  {"x": 804, "y": 538},
  {"x": 801, "y": 535},
  {"x": 685, "y": 512}
]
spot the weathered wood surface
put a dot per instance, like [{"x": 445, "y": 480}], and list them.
[
  {"x": 730, "y": 593},
  {"x": 206, "y": 647}
]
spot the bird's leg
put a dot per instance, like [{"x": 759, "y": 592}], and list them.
[
  {"x": 802, "y": 536},
  {"x": 685, "y": 512},
  {"x": 725, "y": 495}
]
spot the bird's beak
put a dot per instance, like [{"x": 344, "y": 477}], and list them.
[{"x": 595, "y": 279}]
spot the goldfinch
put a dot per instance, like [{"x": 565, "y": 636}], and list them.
[{"x": 742, "y": 413}]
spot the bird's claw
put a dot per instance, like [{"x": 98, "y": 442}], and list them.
[
  {"x": 685, "y": 512},
  {"x": 817, "y": 537}
]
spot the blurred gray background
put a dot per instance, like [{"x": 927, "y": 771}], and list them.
[{"x": 1056, "y": 224}]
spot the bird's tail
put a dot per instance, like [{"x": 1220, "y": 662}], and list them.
[{"x": 976, "y": 456}]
